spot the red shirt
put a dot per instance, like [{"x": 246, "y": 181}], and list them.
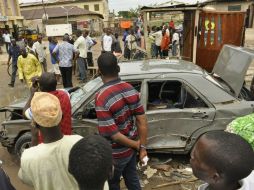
[
  {"x": 117, "y": 104},
  {"x": 65, "y": 104}
]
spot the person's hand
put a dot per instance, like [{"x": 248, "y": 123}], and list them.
[
  {"x": 137, "y": 146},
  {"x": 34, "y": 89},
  {"x": 142, "y": 154},
  {"x": 35, "y": 79}
]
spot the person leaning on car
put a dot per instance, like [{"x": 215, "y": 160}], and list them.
[{"x": 47, "y": 83}]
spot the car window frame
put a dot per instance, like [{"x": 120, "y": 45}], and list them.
[
  {"x": 146, "y": 81},
  {"x": 92, "y": 96}
]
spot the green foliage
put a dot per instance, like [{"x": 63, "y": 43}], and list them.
[{"x": 132, "y": 13}]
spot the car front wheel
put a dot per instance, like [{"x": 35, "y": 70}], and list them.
[{"x": 23, "y": 142}]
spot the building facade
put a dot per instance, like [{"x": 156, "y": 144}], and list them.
[
  {"x": 98, "y": 6},
  {"x": 10, "y": 16}
]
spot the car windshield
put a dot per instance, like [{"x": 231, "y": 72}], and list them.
[{"x": 83, "y": 90}]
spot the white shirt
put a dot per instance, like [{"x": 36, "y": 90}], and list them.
[
  {"x": 7, "y": 38},
  {"x": 89, "y": 43},
  {"x": 158, "y": 37},
  {"x": 80, "y": 45},
  {"x": 40, "y": 49},
  {"x": 175, "y": 38},
  {"x": 246, "y": 183},
  {"x": 131, "y": 41},
  {"x": 107, "y": 42},
  {"x": 45, "y": 166}
]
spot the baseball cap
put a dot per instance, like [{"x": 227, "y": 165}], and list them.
[{"x": 45, "y": 110}]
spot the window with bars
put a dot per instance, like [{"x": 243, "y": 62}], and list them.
[{"x": 96, "y": 7}]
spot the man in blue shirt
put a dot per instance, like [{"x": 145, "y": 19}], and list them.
[
  {"x": 65, "y": 50},
  {"x": 55, "y": 66},
  {"x": 14, "y": 52}
]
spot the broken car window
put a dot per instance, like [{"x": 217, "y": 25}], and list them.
[{"x": 172, "y": 95}]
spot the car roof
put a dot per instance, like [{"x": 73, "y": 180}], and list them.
[{"x": 158, "y": 66}]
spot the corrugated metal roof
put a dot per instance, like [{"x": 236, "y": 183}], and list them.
[{"x": 55, "y": 12}]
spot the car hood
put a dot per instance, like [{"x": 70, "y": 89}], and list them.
[{"x": 232, "y": 65}]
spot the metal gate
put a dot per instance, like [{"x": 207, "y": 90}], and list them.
[{"x": 216, "y": 29}]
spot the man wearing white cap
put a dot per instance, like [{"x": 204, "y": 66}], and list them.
[{"x": 45, "y": 166}]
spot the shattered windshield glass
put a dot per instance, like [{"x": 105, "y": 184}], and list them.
[{"x": 83, "y": 90}]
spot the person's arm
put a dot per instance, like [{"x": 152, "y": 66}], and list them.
[
  {"x": 34, "y": 49},
  {"x": 108, "y": 128},
  {"x": 141, "y": 123},
  {"x": 38, "y": 66},
  {"x": 20, "y": 69},
  {"x": 123, "y": 140},
  {"x": 22, "y": 174},
  {"x": 102, "y": 44},
  {"x": 54, "y": 53},
  {"x": 9, "y": 58}
]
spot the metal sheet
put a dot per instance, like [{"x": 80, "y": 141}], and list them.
[{"x": 232, "y": 65}]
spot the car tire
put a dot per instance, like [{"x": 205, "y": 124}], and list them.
[{"x": 23, "y": 142}]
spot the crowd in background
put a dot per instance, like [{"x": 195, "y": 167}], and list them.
[{"x": 26, "y": 55}]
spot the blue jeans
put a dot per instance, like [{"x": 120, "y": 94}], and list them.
[
  {"x": 174, "y": 49},
  {"x": 125, "y": 167},
  {"x": 82, "y": 68},
  {"x": 14, "y": 71}
]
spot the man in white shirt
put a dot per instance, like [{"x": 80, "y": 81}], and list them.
[
  {"x": 81, "y": 45},
  {"x": 107, "y": 41},
  {"x": 89, "y": 44},
  {"x": 39, "y": 49},
  {"x": 158, "y": 38},
  {"x": 7, "y": 40},
  {"x": 45, "y": 166},
  {"x": 175, "y": 43},
  {"x": 224, "y": 161}
]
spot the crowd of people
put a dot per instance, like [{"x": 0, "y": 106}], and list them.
[
  {"x": 30, "y": 58},
  {"x": 58, "y": 159}
]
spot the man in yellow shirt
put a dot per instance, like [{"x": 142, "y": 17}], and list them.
[{"x": 28, "y": 67}]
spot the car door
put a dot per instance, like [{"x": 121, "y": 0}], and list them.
[
  {"x": 85, "y": 121},
  {"x": 171, "y": 125}
]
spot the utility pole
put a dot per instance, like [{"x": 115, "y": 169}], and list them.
[{"x": 67, "y": 12}]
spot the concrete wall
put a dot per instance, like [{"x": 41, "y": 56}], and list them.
[
  {"x": 224, "y": 6},
  {"x": 10, "y": 8}
]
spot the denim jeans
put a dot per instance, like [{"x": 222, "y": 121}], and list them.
[
  {"x": 174, "y": 49},
  {"x": 125, "y": 167},
  {"x": 158, "y": 51},
  {"x": 82, "y": 68},
  {"x": 14, "y": 72},
  {"x": 153, "y": 50}
]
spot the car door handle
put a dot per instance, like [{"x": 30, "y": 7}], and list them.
[{"x": 200, "y": 115}]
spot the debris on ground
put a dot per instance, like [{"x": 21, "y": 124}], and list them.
[
  {"x": 149, "y": 172},
  {"x": 167, "y": 172}
]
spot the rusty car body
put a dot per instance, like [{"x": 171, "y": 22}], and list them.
[{"x": 181, "y": 100}]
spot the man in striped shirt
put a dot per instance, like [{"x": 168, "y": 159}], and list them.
[{"x": 117, "y": 107}]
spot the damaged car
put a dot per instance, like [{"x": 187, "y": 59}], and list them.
[{"x": 181, "y": 100}]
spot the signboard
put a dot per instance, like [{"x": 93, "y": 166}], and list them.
[
  {"x": 82, "y": 25},
  {"x": 3, "y": 18},
  {"x": 58, "y": 29}
]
